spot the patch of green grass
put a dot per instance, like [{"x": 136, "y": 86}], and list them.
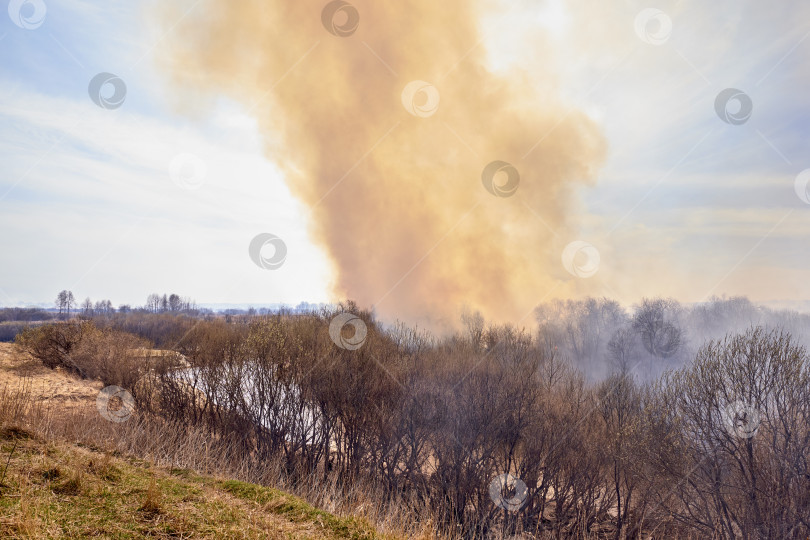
[
  {"x": 297, "y": 510},
  {"x": 56, "y": 490}
]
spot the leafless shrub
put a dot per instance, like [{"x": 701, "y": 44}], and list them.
[
  {"x": 737, "y": 449},
  {"x": 88, "y": 351},
  {"x": 426, "y": 424}
]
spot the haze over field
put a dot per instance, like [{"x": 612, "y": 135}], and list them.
[{"x": 362, "y": 136}]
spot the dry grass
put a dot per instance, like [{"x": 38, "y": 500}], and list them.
[
  {"x": 55, "y": 389},
  {"x": 59, "y": 490},
  {"x": 68, "y": 476}
]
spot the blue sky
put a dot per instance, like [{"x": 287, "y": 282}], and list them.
[
  {"x": 88, "y": 203},
  {"x": 686, "y": 205}
]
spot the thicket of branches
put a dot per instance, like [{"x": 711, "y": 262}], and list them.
[{"x": 718, "y": 447}]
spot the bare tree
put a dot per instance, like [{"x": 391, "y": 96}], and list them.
[
  {"x": 153, "y": 303},
  {"x": 619, "y": 403},
  {"x": 660, "y": 334},
  {"x": 581, "y": 329},
  {"x": 474, "y": 324},
  {"x": 65, "y": 301},
  {"x": 742, "y": 413},
  {"x": 103, "y": 307},
  {"x": 87, "y": 307},
  {"x": 175, "y": 303},
  {"x": 623, "y": 353},
  {"x": 70, "y": 303},
  {"x": 61, "y": 300}
]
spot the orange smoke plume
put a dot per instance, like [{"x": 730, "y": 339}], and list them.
[{"x": 389, "y": 126}]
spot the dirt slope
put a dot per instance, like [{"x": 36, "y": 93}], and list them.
[{"x": 54, "y": 388}]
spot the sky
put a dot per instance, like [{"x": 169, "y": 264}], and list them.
[{"x": 165, "y": 190}]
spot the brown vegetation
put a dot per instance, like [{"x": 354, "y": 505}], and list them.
[{"x": 718, "y": 448}]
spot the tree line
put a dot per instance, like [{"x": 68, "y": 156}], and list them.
[
  {"x": 66, "y": 304},
  {"x": 500, "y": 430}
]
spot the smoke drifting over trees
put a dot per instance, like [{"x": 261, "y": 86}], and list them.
[{"x": 601, "y": 337}]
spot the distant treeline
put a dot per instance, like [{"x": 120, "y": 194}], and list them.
[
  {"x": 147, "y": 320},
  {"x": 25, "y": 314},
  {"x": 15, "y": 320}
]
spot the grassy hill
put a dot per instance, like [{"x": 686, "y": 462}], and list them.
[
  {"x": 53, "y": 488},
  {"x": 59, "y": 490}
]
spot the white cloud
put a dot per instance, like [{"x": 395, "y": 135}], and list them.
[{"x": 94, "y": 207}]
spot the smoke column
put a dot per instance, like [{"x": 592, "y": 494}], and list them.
[{"x": 394, "y": 183}]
